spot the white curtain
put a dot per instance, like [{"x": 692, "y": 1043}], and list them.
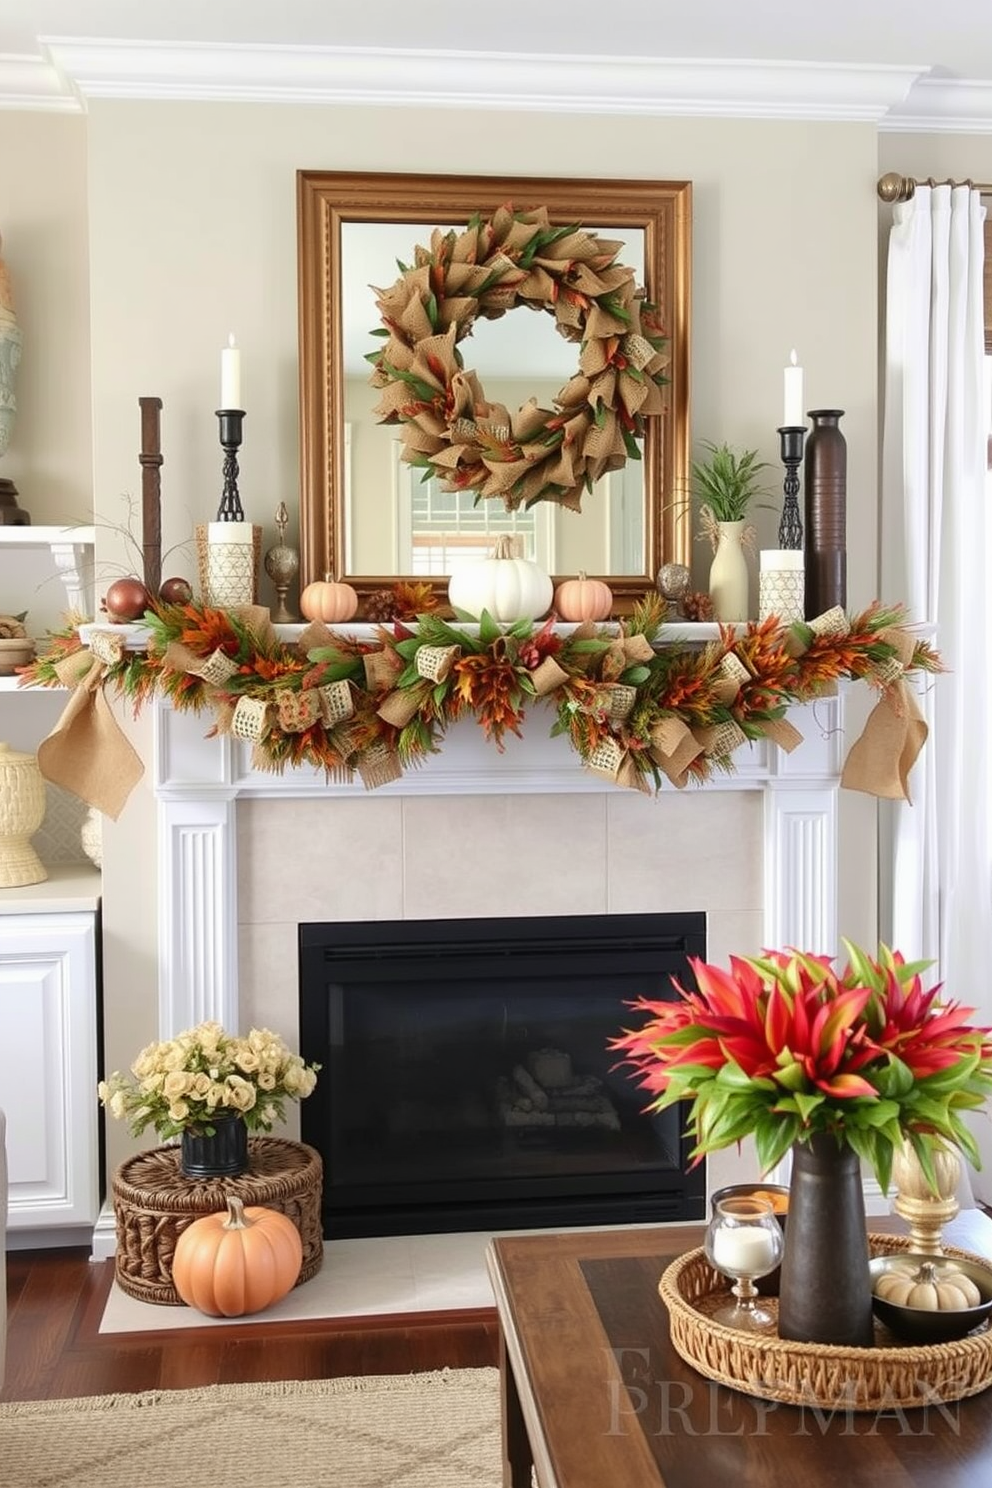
[{"x": 934, "y": 540}]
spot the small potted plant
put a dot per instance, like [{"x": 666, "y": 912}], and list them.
[
  {"x": 209, "y": 1088},
  {"x": 726, "y": 485}
]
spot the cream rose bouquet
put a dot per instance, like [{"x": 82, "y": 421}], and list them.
[{"x": 184, "y": 1083}]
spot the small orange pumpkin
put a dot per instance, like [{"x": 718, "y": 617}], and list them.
[
  {"x": 584, "y": 599},
  {"x": 242, "y": 1260},
  {"x": 329, "y": 600}
]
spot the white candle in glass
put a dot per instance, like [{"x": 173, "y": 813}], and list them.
[
  {"x": 793, "y": 417},
  {"x": 230, "y": 375},
  {"x": 744, "y": 1250}
]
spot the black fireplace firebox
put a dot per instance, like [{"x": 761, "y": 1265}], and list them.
[{"x": 466, "y": 1081}]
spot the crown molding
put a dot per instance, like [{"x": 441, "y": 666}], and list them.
[
  {"x": 943, "y": 106},
  {"x": 72, "y": 70},
  {"x": 33, "y": 83}
]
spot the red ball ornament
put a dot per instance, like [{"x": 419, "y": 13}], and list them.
[
  {"x": 176, "y": 591},
  {"x": 126, "y": 599}
]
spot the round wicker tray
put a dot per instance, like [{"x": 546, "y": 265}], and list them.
[{"x": 889, "y": 1375}]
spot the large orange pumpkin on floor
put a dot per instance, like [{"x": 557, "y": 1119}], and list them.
[{"x": 240, "y": 1261}]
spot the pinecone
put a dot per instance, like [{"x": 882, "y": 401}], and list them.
[
  {"x": 697, "y": 605},
  {"x": 381, "y": 605}
]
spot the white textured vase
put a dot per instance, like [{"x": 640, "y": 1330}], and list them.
[
  {"x": 22, "y": 811},
  {"x": 91, "y": 836},
  {"x": 729, "y": 580}
]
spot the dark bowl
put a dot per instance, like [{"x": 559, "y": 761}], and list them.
[{"x": 920, "y": 1324}]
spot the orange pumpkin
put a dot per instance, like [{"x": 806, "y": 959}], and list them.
[
  {"x": 329, "y": 600},
  {"x": 240, "y": 1261},
  {"x": 584, "y": 599}
]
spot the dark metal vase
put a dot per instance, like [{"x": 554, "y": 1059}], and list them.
[
  {"x": 223, "y": 1155},
  {"x": 825, "y": 1285},
  {"x": 825, "y": 477}
]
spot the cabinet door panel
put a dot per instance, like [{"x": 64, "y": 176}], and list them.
[{"x": 48, "y": 1041}]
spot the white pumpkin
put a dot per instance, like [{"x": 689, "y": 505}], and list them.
[{"x": 507, "y": 588}]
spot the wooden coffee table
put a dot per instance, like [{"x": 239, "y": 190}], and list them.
[{"x": 594, "y": 1395}]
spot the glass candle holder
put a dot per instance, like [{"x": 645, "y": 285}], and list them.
[{"x": 744, "y": 1240}]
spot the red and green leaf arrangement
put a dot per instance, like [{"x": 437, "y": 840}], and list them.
[{"x": 784, "y": 1046}]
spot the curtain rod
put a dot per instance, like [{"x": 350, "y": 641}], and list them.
[{"x": 892, "y": 187}]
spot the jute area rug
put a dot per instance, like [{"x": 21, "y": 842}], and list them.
[{"x": 438, "y": 1430}]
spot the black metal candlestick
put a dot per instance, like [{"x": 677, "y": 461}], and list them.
[
  {"x": 230, "y": 420},
  {"x": 790, "y": 528}
]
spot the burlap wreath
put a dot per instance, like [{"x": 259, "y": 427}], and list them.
[{"x": 450, "y": 427}]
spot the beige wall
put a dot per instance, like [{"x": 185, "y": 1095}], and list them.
[
  {"x": 192, "y": 234},
  {"x": 43, "y": 222}
]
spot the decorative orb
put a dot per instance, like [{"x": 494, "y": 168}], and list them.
[
  {"x": 673, "y": 581},
  {"x": 126, "y": 599},
  {"x": 176, "y": 591}
]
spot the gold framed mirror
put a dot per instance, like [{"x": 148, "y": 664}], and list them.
[{"x": 365, "y": 515}]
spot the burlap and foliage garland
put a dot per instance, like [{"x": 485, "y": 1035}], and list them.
[
  {"x": 450, "y": 428},
  {"x": 636, "y": 711}
]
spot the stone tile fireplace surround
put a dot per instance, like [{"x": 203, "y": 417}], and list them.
[{"x": 245, "y": 856}]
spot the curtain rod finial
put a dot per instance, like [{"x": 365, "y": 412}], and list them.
[{"x": 893, "y": 187}]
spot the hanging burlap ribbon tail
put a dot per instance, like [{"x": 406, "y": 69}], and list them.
[
  {"x": 880, "y": 761},
  {"x": 87, "y": 752}
]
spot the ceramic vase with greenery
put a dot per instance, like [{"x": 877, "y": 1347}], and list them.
[{"x": 726, "y": 485}]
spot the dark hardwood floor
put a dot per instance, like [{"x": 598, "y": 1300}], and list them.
[{"x": 55, "y": 1299}]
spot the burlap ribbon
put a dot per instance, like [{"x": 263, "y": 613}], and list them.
[
  {"x": 613, "y": 761},
  {"x": 733, "y": 673},
  {"x": 880, "y": 761},
  {"x": 673, "y": 748},
  {"x": 547, "y": 676},
  {"x": 433, "y": 665},
  {"x": 378, "y": 765},
  {"x": 625, "y": 651},
  {"x": 87, "y": 752}
]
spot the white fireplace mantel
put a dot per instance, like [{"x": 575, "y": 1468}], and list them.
[{"x": 198, "y": 782}]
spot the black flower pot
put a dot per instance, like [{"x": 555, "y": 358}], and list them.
[{"x": 222, "y": 1155}]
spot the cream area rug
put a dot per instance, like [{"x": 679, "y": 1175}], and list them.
[{"x": 437, "y": 1430}]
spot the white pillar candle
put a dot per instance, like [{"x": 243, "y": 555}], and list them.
[
  {"x": 793, "y": 416},
  {"x": 230, "y": 375},
  {"x": 744, "y": 1250}
]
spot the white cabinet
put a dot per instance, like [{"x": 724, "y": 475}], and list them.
[
  {"x": 48, "y": 1057},
  {"x": 49, "y": 1004}
]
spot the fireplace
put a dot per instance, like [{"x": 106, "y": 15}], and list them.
[
  {"x": 466, "y": 1081},
  {"x": 245, "y": 855}
]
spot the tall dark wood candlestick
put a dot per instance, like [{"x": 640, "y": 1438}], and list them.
[
  {"x": 231, "y": 421},
  {"x": 790, "y": 528},
  {"x": 150, "y": 460}
]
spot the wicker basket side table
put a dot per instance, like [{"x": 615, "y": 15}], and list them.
[{"x": 154, "y": 1201}]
